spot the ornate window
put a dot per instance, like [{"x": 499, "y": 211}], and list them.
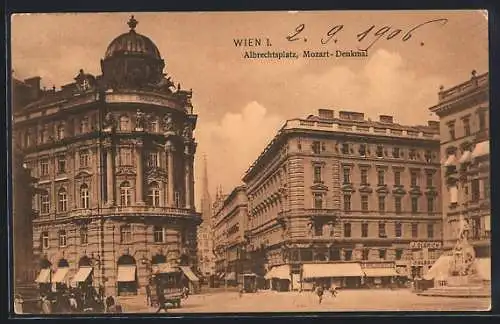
[
  {"x": 45, "y": 240},
  {"x": 44, "y": 202},
  {"x": 316, "y": 147},
  {"x": 430, "y": 180},
  {"x": 84, "y": 236},
  {"x": 125, "y": 194},
  {"x": 414, "y": 204},
  {"x": 397, "y": 204},
  {"x": 364, "y": 230},
  {"x": 62, "y": 198},
  {"x": 126, "y": 234},
  {"x": 397, "y": 178},
  {"x": 158, "y": 234},
  {"x": 317, "y": 174},
  {"x": 84, "y": 158},
  {"x": 381, "y": 177},
  {"x": 154, "y": 160},
  {"x": 430, "y": 231},
  {"x": 414, "y": 178},
  {"x": 125, "y": 156},
  {"x": 414, "y": 230},
  {"x": 318, "y": 200},
  {"x": 364, "y": 203},
  {"x": 347, "y": 229},
  {"x": 44, "y": 167},
  {"x": 347, "y": 175},
  {"x": 84, "y": 125},
  {"x": 347, "y": 202},
  {"x": 396, "y": 153},
  {"x": 380, "y": 151},
  {"x": 124, "y": 123},
  {"x": 62, "y": 238},
  {"x": 430, "y": 204},
  {"x": 84, "y": 196},
  {"x": 398, "y": 230},
  {"x": 345, "y": 148},
  {"x": 154, "y": 194},
  {"x": 60, "y": 132},
  {"x": 154, "y": 125},
  {"x": 381, "y": 230},
  {"x": 364, "y": 176},
  {"x": 61, "y": 164},
  {"x": 381, "y": 203},
  {"x": 177, "y": 199}
]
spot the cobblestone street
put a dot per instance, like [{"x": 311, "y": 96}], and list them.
[{"x": 346, "y": 301}]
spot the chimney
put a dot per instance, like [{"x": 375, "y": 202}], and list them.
[
  {"x": 433, "y": 124},
  {"x": 34, "y": 84},
  {"x": 326, "y": 113},
  {"x": 386, "y": 119}
]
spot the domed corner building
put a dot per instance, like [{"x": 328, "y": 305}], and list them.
[{"x": 113, "y": 158}]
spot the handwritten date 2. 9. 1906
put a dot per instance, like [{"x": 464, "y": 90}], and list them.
[{"x": 369, "y": 36}]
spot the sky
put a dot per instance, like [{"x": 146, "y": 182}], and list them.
[{"x": 241, "y": 103}]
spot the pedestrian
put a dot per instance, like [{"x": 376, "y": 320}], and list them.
[
  {"x": 73, "y": 303},
  {"x": 334, "y": 291},
  {"x": 18, "y": 304},
  {"x": 148, "y": 295},
  {"x": 112, "y": 306},
  {"x": 319, "y": 292},
  {"x": 46, "y": 305},
  {"x": 162, "y": 303}
]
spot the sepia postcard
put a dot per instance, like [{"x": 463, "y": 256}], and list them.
[{"x": 250, "y": 162}]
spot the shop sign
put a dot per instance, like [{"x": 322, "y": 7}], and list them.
[{"x": 425, "y": 244}]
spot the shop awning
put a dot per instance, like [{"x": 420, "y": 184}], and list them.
[
  {"x": 279, "y": 272},
  {"x": 43, "y": 276},
  {"x": 230, "y": 276},
  {"x": 450, "y": 161},
  {"x": 332, "y": 270},
  {"x": 221, "y": 275},
  {"x": 82, "y": 274},
  {"x": 439, "y": 269},
  {"x": 380, "y": 272},
  {"x": 126, "y": 273},
  {"x": 163, "y": 268},
  {"x": 483, "y": 268},
  {"x": 466, "y": 157},
  {"x": 481, "y": 149},
  {"x": 189, "y": 274},
  {"x": 60, "y": 275}
]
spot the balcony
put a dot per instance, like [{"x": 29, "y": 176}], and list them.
[
  {"x": 480, "y": 238},
  {"x": 135, "y": 211},
  {"x": 320, "y": 212}
]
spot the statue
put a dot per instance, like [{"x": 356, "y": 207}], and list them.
[
  {"x": 463, "y": 253},
  {"x": 168, "y": 123},
  {"x": 140, "y": 120},
  {"x": 109, "y": 121},
  {"x": 331, "y": 229},
  {"x": 310, "y": 228},
  {"x": 187, "y": 133}
]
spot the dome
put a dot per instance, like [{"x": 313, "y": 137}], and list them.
[{"x": 132, "y": 43}]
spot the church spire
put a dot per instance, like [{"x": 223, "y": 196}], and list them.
[{"x": 206, "y": 203}]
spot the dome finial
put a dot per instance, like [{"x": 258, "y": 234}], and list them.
[{"x": 132, "y": 23}]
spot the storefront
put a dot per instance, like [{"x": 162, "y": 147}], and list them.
[
  {"x": 424, "y": 255},
  {"x": 279, "y": 277},
  {"x": 344, "y": 275},
  {"x": 379, "y": 275},
  {"x": 126, "y": 278}
]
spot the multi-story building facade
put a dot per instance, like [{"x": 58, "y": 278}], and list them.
[
  {"x": 206, "y": 257},
  {"x": 230, "y": 236},
  {"x": 464, "y": 117},
  {"x": 347, "y": 199},
  {"x": 113, "y": 155}
]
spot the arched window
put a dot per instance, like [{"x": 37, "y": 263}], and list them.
[
  {"x": 62, "y": 198},
  {"x": 60, "y": 131},
  {"x": 125, "y": 194},
  {"x": 84, "y": 158},
  {"x": 124, "y": 123},
  {"x": 154, "y": 194},
  {"x": 84, "y": 196},
  {"x": 44, "y": 202}
]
